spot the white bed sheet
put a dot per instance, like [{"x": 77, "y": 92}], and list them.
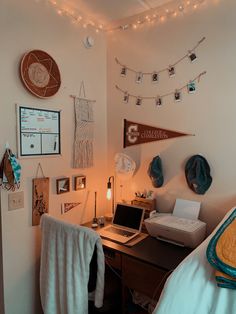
[{"x": 192, "y": 289}]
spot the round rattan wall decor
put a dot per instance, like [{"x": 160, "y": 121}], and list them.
[{"x": 40, "y": 74}]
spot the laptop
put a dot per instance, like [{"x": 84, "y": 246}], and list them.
[{"x": 126, "y": 223}]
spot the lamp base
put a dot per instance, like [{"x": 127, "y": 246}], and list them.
[{"x": 108, "y": 216}]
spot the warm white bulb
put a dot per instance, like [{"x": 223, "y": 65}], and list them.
[{"x": 109, "y": 194}]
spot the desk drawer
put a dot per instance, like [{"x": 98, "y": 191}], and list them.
[
  {"x": 142, "y": 277},
  {"x": 113, "y": 258}
]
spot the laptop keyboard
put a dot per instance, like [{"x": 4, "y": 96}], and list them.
[{"x": 120, "y": 232}]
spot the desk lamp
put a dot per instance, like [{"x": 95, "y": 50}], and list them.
[{"x": 110, "y": 191}]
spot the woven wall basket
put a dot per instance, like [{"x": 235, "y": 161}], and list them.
[{"x": 40, "y": 74}]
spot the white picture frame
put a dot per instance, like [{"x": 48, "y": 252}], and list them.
[{"x": 38, "y": 132}]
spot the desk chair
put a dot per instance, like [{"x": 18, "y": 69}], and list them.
[{"x": 66, "y": 256}]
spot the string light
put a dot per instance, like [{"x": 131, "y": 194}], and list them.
[
  {"x": 76, "y": 18},
  {"x": 164, "y": 13},
  {"x": 149, "y": 17}
]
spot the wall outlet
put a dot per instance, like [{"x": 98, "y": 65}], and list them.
[{"x": 15, "y": 200}]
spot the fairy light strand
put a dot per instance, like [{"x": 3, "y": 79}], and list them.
[
  {"x": 164, "y": 69},
  {"x": 159, "y": 14},
  {"x": 156, "y": 14},
  {"x": 197, "y": 78},
  {"x": 76, "y": 18}
]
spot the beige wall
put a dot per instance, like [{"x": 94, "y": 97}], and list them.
[
  {"x": 209, "y": 114},
  {"x": 27, "y": 25}
]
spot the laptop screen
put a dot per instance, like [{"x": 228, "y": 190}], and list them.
[{"x": 128, "y": 216}]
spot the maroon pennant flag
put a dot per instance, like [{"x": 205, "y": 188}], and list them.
[{"x": 136, "y": 133}]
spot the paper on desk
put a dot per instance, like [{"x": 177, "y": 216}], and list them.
[{"x": 186, "y": 209}]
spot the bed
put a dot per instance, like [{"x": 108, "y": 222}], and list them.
[{"x": 192, "y": 289}]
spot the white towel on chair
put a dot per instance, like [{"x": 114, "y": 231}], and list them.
[{"x": 64, "y": 272}]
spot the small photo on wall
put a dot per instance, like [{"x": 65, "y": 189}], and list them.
[
  {"x": 192, "y": 56},
  {"x": 79, "y": 183},
  {"x": 155, "y": 77},
  {"x": 123, "y": 71},
  {"x": 191, "y": 87},
  {"x": 158, "y": 101},
  {"x": 126, "y": 98},
  {"x": 171, "y": 71},
  {"x": 63, "y": 185},
  {"x": 139, "y": 77},
  {"x": 177, "y": 96},
  {"x": 138, "y": 101}
]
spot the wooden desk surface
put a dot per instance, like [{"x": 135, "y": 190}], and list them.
[{"x": 152, "y": 251}]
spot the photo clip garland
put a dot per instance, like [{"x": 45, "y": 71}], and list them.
[
  {"x": 154, "y": 75},
  {"x": 177, "y": 94}
]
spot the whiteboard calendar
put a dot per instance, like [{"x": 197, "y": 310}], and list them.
[{"x": 38, "y": 132}]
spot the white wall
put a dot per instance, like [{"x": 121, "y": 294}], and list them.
[
  {"x": 209, "y": 114},
  {"x": 26, "y": 25}
]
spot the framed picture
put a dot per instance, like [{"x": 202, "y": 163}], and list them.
[
  {"x": 79, "y": 183},
  {"x": 63, "y": 185}
]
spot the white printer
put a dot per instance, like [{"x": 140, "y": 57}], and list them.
[{"x": 182, "y": 227}]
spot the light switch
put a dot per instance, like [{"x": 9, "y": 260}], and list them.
[{"x": 15, "y": 200}]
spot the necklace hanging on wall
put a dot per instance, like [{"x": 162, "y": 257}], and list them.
[
  {"x": 177, "y": 94},
  {"x": 155, "y": 74}
]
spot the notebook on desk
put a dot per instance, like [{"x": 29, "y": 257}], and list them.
[{"x": 126, "y": 223}]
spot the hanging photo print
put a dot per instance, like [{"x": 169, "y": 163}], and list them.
[
  {"x": 192, "y": 56},
  {"x": 123, "y": 71},
  {"x": 177, "y": 96},
  {"x": 139, "y": 101},
  {"x": 191, "y": 87},
  {"x": 139, "y": 77},
  {"x": 158, "y": 101},
  {"x": 126, "y": 97},
  {"x": 171, "y": 71},
  {"x": 155, "y": 77}
]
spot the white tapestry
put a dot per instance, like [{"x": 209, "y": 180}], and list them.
[{"x": 84, "y": 133}]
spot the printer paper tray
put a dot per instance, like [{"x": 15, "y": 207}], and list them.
[{"x": 170, "y": 241}]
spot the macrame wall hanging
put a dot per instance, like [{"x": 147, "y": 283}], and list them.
[{"x": 84, "y": 130}]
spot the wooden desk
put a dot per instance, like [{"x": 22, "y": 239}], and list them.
[{"x": 145, "y": 266}]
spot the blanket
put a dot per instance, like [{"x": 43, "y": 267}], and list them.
[
  {"x": 191, "y": 288},
  {"x": 221, "y": 253},
  {"x": 64, "y": 271}
]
